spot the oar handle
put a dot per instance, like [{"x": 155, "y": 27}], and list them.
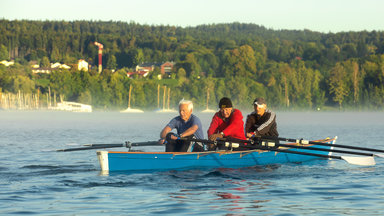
[
  {"x": 218, "y": 142},
  {"x": 98, "y": 145},
  {"x": 147, "y": 143}
]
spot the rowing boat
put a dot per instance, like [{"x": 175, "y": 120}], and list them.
[{"x": 162, "y": 161}]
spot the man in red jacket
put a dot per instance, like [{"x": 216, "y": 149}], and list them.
[{"x": 227, "y": 122}]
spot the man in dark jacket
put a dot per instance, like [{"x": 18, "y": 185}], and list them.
[{"x": 261, "y": 122}]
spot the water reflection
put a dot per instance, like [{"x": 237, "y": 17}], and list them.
[{"x": 223, "y": 189}]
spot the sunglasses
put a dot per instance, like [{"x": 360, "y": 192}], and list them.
[{"x": 259, "y": 105}]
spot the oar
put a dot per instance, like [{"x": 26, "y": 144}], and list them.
[
  {"x": 330, "y": 150},
  {"x": 362, "y": 161},
  {"x": 101, "y": 146},
  {"x": 275, "y": 142},
  {"x": 147, "y": 143},
  {"x": 271, "y": 141},
  {"x": 302, "y": 141},
  {"x": 92, "y": 147},
  {"x": 235, "y": 143}
]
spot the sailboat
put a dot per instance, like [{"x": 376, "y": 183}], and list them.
[
  {"x": 129, "y": 110},
  {"x": 168, "y": 110},
  {"x": 207, "y": 110}
]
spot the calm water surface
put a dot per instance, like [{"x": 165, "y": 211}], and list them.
[{"x": 37, "y": 181}]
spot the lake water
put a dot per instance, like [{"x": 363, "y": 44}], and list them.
[{"x": 37, "y": 181}]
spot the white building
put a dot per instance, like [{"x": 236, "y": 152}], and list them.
[
  {"x": 7, "y": 63},
  {"x": 61, "y": 66},
  {"x": 82, "y": 65}
]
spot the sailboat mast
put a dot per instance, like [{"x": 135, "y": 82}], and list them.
[
  {"x": 169, "y": 94},
  {"x": 158, "y": 96},
  {"x": 129, "y": 97},
  {"x": 207, "y": 97},
  {"x": 165, "y": 89}
]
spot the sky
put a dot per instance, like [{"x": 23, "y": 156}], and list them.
[{"x": 316, "y": 15}]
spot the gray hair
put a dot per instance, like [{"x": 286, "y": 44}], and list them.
[{"x": 188, "y": 102}]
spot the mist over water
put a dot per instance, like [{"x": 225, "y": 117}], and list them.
[{"x": 37, "y": 181}]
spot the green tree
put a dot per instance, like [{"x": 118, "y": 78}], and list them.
[
  {"x": 356, "y": 76},
  {"x": 240, "y": 62},
  {"x": 23, "y": 84},
  {"x": 45, "y": 62},
  {"x": 116, "y": 84},
  {"x": 181, "y": 75},
  {"x": 195, "y": 68},
  {"x": 111, "y": 63},
  {"x": 55, "y": 54},
  {"x": 85, "y": 97},
  {"x": 3, "y": 52},
  {"x": 138, "y": 57},
  {"x": 285, "y": 73},
  {"x": 337, "y": 84}
]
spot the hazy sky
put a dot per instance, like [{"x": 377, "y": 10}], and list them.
[{"x": 316, "y": 15}]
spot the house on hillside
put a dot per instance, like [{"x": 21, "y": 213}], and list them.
[
  {"x": 138, "y": 73},
  {"x": 165, "y": 68},
  {"x": 43, "y": 70},
  {"x": 146, "y": 67},
  {"x": 7, "y": 63},
  {"x": 61, "y": 66},
  {"x": 36, "y": 69},
  {"x": 82, "y": 65},
  {"x": 34, "y": 64}
]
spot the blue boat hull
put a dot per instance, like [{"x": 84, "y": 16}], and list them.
[{"x": 160, "y": 161}]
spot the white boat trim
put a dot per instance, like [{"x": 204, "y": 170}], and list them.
[{"x": 103, "y": 160}]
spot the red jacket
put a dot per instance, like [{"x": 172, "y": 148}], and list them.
[{"x": 234, "y": 127}]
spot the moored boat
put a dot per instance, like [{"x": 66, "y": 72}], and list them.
[
  {"x": 161, "y": 161},
  {"x": 72, "y": 107},
  {"x": 129, "y": 109}
]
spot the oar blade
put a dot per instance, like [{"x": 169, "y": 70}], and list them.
[
  {"x": 379, "y": 155},
  {"x": 362, "y": 161}
]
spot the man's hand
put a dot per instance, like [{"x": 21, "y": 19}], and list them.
[
  {"x": 249, "y": 135},
  {"x": 214, "y": 137},
  {"x": 162, "y": 141},
  {"x": 174, "y": 137}
]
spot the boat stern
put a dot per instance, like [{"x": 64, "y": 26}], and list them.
[{"x": 103, "y": 160}]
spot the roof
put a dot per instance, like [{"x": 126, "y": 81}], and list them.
[{"x": 150, "y": 64}]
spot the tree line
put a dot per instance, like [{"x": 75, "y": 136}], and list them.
[{"x": 291, "y": 69}]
